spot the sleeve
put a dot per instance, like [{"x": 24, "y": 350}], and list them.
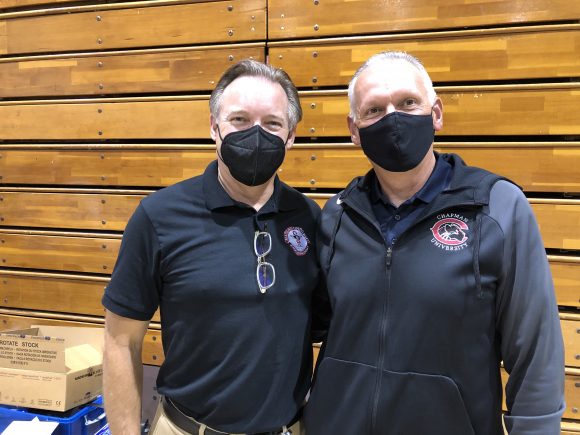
[
  {"x": 528, "y": 322},
  {"x": 135, "y": 286},
  {"x": 321, "y": 306}
]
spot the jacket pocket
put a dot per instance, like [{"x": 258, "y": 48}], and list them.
[
  {"x": 339, "y": 402},
  {"x": 414, "y": 403}
]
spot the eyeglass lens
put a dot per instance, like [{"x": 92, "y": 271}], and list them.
[
  {"x": 265, "y": 272},
  {"x": 262, "y": 244}
]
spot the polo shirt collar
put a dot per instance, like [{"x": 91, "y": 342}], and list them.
[
  {"x": 436, "y": 183},
  {"x": 283, "y": 198}
]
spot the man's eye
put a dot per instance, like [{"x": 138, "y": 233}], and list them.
[
  {"x": 373, "y": 111},
  {"x": 410, "y": 102},
  {"x": 238, "y": 119}
]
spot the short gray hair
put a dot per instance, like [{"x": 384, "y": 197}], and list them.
[
  {"x": 253, "y": 68},
  {"x": 386, "y": 57}
]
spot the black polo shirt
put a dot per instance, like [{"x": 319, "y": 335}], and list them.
[
  {"x": 394, "y": 221},
  {"x": 235, "y": 359}
]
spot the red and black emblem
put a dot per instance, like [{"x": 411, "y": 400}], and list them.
[{"x": 450, "y": 233}]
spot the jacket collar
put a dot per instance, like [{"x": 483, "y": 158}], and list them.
[{"x": 469, "y": 186}]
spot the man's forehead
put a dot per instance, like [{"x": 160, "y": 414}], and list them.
[
  {"x": 251, "y": 92},
  {"x": 391, "y": 74},
  {"x": 253, "y": 84},
  {"x": 391, "y": 71}
]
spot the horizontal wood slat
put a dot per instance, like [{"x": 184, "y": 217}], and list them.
[
  {"x": 148, "y": 71},
  {"x": 60, "y": 293},
  {"x": 559, "y": 223},
  {"x": 196, "y": 23},
  {"x": 152, "y": 347},
  {"x": 566, "y": 275},
  {"x": 65, "y": 293},
  {"x": 4, "y": 4},
  {"x": 543, "y": 110},
  {"x": 571, "y": 334},
  {"x": 570, "y": 428},
  {"x": 67, "y": 210},
  {"x": 103, "y": 167},
  {"x": 69, "y": 254},
  {"x": 537, "y": 167},
  {"x": 149, "y": 119},
  {"x": 448, "y": 56},
  {"x": 308, "y": 19}
]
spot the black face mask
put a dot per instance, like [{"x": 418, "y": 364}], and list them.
[
  {"x": 252, "y": 155},
  {"x": 398, "y": 142}
]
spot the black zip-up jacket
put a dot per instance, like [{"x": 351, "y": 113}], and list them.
[{"x": 418, "y": 330}]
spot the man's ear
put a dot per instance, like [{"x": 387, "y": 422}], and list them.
[
  {"x": 437, "y": 114},
  {"x": 291, "y": 138},
  {"x": 354, "y": 135},
  {"x": 213, "y": 128}
]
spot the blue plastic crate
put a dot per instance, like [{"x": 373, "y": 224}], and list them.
[{"x": 83, "y": 420}]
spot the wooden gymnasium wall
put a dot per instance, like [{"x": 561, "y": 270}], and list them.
[{"x": 103, "y": 102}]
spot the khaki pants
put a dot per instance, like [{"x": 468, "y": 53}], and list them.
[{"x": 163, "y": 426}]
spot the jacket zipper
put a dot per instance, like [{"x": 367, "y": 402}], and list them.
[
  {"x": 382, "y": 339},
  {"x": 383, "y": 326}
]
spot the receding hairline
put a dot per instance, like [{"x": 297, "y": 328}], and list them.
[
  {"x": 382, "y": 59},
  {"x": 253, "y": 68},
  {"x": 257, "y": 78}
]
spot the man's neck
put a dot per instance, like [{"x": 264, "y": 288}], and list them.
[
  {"x": 254, "y": 196},
  {"x": 400, "y": 186}
]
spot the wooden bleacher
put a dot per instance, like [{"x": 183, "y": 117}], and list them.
[{"x": 102, "y": 103}]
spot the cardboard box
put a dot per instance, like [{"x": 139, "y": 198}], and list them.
[{"x": 51, "y": 367}]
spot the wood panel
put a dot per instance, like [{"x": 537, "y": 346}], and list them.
[
  {"x": 559, "y": 222},
  {"x": 63, "y": 253},
  {"x": 170, "y": 118},
  {"x": 145, "y": 71},
  {"x": 498, "y": 54},
  {"x": 566, "y": 274},
  {"x": 307, "y": 18},
  {"x": 152, "y": 347},
  {"x": 537, "y": 167},
  {"x": 539, "y": 109},
  {"x": 65, "y": 293},
  {"x": 5, "y": 4},
  {"x": 486, "y": 110},
  {"x": 571, "y": 334},
  {"x": 154, "y": 26},
  {"x": 570, "y": 428},
  {"x": 94, "y": 165},
  {"x": 89, "y": 211}
]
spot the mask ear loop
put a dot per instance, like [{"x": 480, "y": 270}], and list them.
[{"x": 221, "y": 139}]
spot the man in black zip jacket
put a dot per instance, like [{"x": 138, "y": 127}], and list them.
[{"x": 436, "y": 273}]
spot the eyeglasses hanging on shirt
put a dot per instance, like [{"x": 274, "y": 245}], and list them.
[{"x": 265, "y": 272}]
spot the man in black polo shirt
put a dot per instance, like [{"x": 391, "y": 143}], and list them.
[{"x": 228, "y": 257}]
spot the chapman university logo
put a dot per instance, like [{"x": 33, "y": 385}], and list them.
[{"x": 450, "y": 232}]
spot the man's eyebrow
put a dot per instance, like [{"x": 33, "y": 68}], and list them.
[{"x": 237, "y": 112}]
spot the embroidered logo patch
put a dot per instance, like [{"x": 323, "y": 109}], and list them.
[
  {"x": 297, "y": 240},
  {"x": 450, "y": 232}
]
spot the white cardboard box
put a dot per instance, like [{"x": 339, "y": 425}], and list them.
[{"x": 51, "y": 367}]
